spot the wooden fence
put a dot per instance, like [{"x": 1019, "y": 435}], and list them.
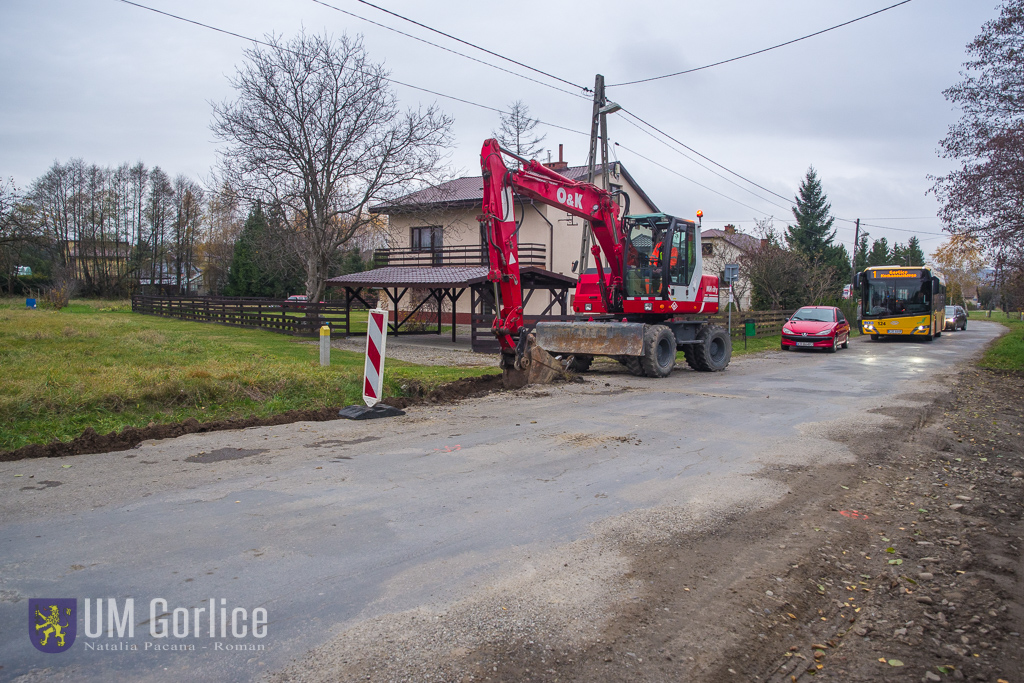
[
  {"x": 288, "y": 317},
  {"x": 766, "y": 323}
]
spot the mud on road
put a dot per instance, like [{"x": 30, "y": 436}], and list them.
[{"x": 902, "y": 565}]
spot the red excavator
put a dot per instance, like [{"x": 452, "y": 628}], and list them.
[{"x": 647, "y": 271}]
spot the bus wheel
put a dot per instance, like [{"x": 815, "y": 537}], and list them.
[{"x": 874, "y": 337}]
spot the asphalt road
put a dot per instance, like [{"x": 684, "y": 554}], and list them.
[{"x": 325, "y": 525}]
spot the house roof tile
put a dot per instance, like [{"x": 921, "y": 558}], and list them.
[
  {"x": 737, "y": 239},
  {"x": 469, "y": 191}
]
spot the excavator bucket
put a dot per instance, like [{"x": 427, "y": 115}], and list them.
[
  {"x": 595, "y": 339},
  {"x": 533, "y": 366}
]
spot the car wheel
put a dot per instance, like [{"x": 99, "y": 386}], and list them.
[
  {"x": 783, "y": 346},
  {"x": 835, "y": 345},
  {"x": 964, "y": 327},
  {"x": 846, "y": 344}
]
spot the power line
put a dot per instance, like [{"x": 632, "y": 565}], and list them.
[
  {"x": 887, "y": 227},
  {"x": 901, "y": 218},
  {"x": 707, "y": 158},
  {"x": 447, "y": 49},
  {"x": 757, "y": 52},
  {"x": 709, "y": 170},
  {"x": 674, "y": 172},
  {"x": 257, "y": 41},
  {"x": 482, "y": 49}
]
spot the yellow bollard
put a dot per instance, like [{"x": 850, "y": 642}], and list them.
[{"x": 325, "y": 346}]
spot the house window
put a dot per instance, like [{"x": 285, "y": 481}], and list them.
[
  {"x": 428, "y": 238},
  {"x": 707, "y": 249},
  {"x": 617, "y": 188}
]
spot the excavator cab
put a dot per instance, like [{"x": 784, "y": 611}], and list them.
[{"x": 660, "y": 254}]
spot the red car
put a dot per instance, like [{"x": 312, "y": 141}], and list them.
[{"x": 816, "y": 327}]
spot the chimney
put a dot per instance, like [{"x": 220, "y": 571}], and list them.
[
  {"x": 764, "y": 242},
  {"x": 559, "y": 165},
  {"x": 730, "y": 229}
]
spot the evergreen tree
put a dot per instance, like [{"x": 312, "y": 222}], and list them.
[
  {"x": 862, "y": 252},
  {"x": 913, "y": 254},
  {"x": 898, "y": 255},
  {"x": 879, "y": 254},
  {"x": 247, "y": 276},
  {"x": 813, "y": 234}
]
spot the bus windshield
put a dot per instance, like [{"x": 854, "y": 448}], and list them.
[{"x": 897, "y": 296}]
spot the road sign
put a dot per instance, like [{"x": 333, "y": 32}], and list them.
[
  {"x": 847, "y": 291},
  {"x": 732, "y": 272},
  {"x": 373, "y": 371}
]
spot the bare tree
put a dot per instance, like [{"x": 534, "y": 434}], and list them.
[
  {"x": 517, "y": 131},
  {"x": 188, "y": 217},
  {"x": 18, "y": 230},
  {"x": 782, "y": 278},
  {"x": 984, "y": 197},
  {"x": 316, "y": 130},
  {"x": 224, "y": 224}
]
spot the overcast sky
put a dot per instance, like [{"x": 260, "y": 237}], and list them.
[{"x": 110, "y": 83}]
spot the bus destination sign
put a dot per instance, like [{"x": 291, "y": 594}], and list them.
[{"x": 895, "y": 272}]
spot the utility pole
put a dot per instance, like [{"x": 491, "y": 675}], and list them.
[
  {"x": 853, "y": 266},
  {"x": 598, "y": 131}
]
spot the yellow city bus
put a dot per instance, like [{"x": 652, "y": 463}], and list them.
[{"x": 899, "y": 301}]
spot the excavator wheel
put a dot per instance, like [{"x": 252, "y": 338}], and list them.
[
  {"x": 580, "y": 363},
  {"x": 632, "y": 364},
  {"x": 659, "y": 351},
  {"x": 690, "y": 356},
  {"x": 714, "y": 351}
]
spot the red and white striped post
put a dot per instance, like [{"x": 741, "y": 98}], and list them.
[{"x": 373, "y": 371}]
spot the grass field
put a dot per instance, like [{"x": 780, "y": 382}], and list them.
[
  {"x": 96, "y": 364},
  {"x": 1007, "y": 353}
]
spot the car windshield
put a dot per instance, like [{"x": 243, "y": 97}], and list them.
[
  {"x": 822, "y": 315},
  {"x": 950, "y": 310}
]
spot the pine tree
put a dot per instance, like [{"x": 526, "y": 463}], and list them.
[
  {"x": 813, "y": 234},
  {"x": 246, "y": 276},
  {"x": 879, "y": 254},
  {"x": 913, "y": 254},
  {"x": 898, "y": 255},
  {"x": 862, "y": 252}
]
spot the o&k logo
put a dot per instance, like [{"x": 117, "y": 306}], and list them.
[{"x": 52, "y": 623}]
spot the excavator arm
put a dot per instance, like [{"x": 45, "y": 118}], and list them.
[{"x": 539, "y": 183}]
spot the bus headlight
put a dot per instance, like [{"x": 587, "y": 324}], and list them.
[
  {"x": 869, "y": 326},
  {"x": 921, "y": 328}
]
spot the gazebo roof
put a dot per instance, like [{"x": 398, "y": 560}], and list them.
[{"x": 444, "y": 276}]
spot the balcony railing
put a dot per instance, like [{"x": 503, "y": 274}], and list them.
[{"x": 530, "y": 254}]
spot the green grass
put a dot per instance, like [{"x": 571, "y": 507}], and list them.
[
  {"x": 96, "y": 364},
  {"x": 1007, "y": 352}
]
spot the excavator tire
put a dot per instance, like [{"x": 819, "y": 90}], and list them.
[
  {"x": 659, "y": 351},
  {"x": 690, "y": 356},
  {"x": 714, "y": 351},
  {"x": 580, "y": 363},
  {"x": 633, "y": 365}
]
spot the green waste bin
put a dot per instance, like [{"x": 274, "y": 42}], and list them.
[{"x": 750, "y": 327}]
